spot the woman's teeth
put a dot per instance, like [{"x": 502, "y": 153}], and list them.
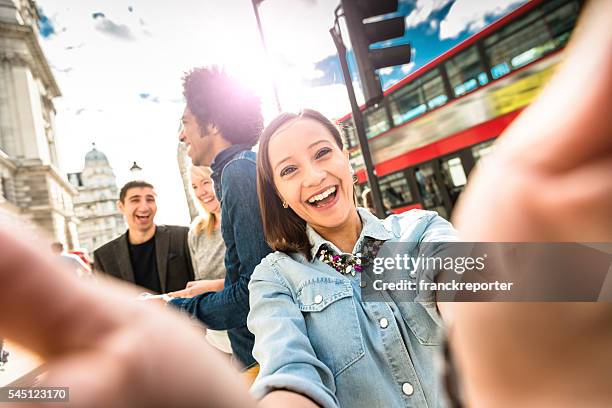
[{"x": 322, "y": 196}]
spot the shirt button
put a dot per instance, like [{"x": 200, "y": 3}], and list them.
[
  {"x": 384, "y": 323},
  {"x": 362, "y": 284},
  {"x": 318, "y": 299},
  {"x": 407, "y": 388}
]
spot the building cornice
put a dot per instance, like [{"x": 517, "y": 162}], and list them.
[
  {"x": 49, "y": 169},
  {"x": 10, "y": 207},
  {"x": 65, "y": 183},
  {"x": 44, "y": 209},
  {"x": 89, "y": 202},
  {"x": 87, "y": 189},
  {"x": 6, "y": 161},
  {"x": 36, "y": 60},
  {"x": 99, "y": 216}
]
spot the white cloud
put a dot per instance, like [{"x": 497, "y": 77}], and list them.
[
  {"x": 299, "y": 30},
  {"x": 386, "y": 71},
  {"x": 433, "y": 27},
  {"x": 331, "y": 100},
  {"x": 392, "y": 82},
  {"x": 109, "y": 27},
  {"x": 315, "y": 74},
  {"x": 470, "y": 15},
  {"x": 422, "y": 10},
  {"x": 406, "y": 68}
]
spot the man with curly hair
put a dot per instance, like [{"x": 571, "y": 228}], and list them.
[{"x": 221, "y": 123}]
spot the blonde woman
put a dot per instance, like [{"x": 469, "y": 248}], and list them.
[{"x": 207, "y": 251}]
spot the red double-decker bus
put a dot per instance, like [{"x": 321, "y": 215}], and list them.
[{"x": 433, "y": 126}]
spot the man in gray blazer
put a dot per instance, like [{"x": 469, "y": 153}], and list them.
[{"x": 155, "y": 257}]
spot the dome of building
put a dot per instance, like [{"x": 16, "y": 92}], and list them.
[{"x": 95, "y": 156}]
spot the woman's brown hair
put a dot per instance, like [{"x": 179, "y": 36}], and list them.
[{"x": 284, "y": 230}]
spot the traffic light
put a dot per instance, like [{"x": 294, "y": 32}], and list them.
[{"x": 363, "y": 34}]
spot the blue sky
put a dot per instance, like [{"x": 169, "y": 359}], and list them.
[
  {"x": 119, "y": 66},
  {"x": 425, "y": 36}
]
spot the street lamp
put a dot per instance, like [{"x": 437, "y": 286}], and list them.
[
  {"x": 135, "y": 168},
  {"x": 136, "y": 172}
]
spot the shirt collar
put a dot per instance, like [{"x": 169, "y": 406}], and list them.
[
  {"x": 225, "y": 155},
  {"x": 219, "y": 162},
  {"x": 371, "y": 227}
]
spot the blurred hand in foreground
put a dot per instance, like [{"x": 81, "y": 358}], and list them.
[
  {"x": 550, "y": 179},
  {"x": 110, "y": 349}
]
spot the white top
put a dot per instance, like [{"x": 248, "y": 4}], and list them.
[{"x": 207, "y": 256}]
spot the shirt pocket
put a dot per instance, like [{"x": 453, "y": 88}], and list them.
[
  {"x": 424, "y": 328},
  {"x": 331, "y": 320}
]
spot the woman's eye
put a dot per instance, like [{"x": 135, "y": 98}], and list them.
[
  {"x": 287, "y": 170},
  {"x": 322, "y": 152}
]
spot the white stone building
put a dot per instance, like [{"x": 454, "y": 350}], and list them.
[
  {"x": 96, "y": 203},
  {"x": 31, "y": 185}
]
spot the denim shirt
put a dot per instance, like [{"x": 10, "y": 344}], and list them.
[
  {"x": 315, "y": 336},
  {"x": 234, "y": 174}
]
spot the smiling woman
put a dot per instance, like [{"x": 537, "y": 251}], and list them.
[
  {"x": 317, "y": 186},
  {"x": 207, "y": 250},
  {"x": 306, "y": 298}
]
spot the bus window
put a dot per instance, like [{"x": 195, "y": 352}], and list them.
[
  {"x": 395, "y": 190},
  {"x": 433, "y": 89},
  {"x": 466, "y": 71},
  {"x": 454, "y": 171},
  {"x": 534, "y": 42},
  {"x": 483, "y": 149},
  {"x": 530, "y": 38},
  {"x": 376, "y": 121},
  {"x": 500, "y": 70},
  {"x": 407, "y": 103},
  {"x": 429, "y": 189},
  {"x": 454, "y": 177},
  {"x": 359, "y": 188},
  {"x": 349, "y": 135},
  {"x": 561, "y": 21}
]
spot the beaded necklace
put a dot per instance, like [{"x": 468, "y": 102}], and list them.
[{"x": 349, "y": 263}]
